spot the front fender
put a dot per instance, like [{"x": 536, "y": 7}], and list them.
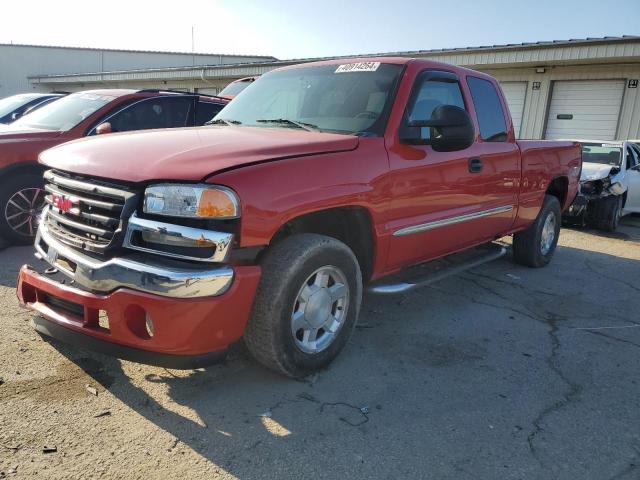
[{"x": 274, "y": 193}]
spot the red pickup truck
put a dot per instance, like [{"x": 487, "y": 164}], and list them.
[{"x": 167, "y": 247}]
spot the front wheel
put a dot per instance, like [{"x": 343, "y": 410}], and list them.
[
  {"x": 306, "y": 305},
  {"x": 535, "y": 246},
  {"x": 21, "y": 203},
  {"x": 607, "y": 213}
]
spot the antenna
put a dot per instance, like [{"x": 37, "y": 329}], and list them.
[{"x": 193, "y": 46}]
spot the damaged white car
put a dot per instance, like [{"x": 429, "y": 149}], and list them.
[{"x": 609, "y": 184}]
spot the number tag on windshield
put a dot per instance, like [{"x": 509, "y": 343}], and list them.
[{"x": 358, "y": 67}]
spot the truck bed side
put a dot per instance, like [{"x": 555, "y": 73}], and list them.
[{"x": 547, "y": 166}]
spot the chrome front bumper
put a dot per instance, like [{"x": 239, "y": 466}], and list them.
[{"x": 142, "y": 273}]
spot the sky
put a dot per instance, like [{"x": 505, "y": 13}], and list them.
[{"x": 290, "y": 29}]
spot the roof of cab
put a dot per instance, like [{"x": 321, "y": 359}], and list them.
[{"x": 393, "y": 61}]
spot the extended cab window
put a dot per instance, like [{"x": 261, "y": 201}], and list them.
[
  {"x": 157, "y": 112},
  {"x": 493, "y": 127}
]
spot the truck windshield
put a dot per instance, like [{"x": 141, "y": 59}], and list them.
[
  {"x": 601, "y": 153},
  {"x": 64, "y": 114},
  {"x": 352, "y": 98}
]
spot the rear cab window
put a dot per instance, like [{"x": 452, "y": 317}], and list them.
[{"x": 491, "y": 119}]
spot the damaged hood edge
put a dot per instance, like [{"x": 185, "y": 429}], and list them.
[{"x": 595, "y": 171}]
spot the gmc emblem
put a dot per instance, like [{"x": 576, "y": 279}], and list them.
[{"x": 64, "y": 204}]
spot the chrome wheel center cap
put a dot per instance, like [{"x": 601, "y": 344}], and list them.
[{"x": 318, "y": 308}]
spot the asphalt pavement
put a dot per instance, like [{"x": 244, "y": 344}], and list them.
[{"x": 503, "y": 372}]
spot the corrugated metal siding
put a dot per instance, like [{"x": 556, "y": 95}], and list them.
[
  {"x": 18, "y": 62},
  {"x": 538, "y": 55},
  {"x": 537, "y": 102}
]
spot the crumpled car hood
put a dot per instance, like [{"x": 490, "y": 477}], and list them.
[
  {"x": 188, "y": 153},
  {"x": 594, "y": 171}
]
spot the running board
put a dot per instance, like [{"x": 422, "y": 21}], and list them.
[{"x": 430, "y": 272}]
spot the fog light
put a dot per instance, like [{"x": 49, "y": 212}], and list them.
[{"x": 148, "y": 324}]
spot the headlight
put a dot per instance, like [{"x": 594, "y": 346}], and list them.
[{"x": 191, "y": 201}]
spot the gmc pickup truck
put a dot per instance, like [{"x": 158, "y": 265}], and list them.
[{"x": 167, "y": 247}]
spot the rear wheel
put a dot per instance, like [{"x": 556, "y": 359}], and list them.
[
  {"x": 306, "y": 305},
  {"x": 21, "y": 203},
  {"x": 535, "y": 246}
]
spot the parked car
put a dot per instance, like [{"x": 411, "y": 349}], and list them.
[
  {"x": 78, "y": 115},
  {"x": 234, "y": 88},
  {"x": 14, "y": 107},
  {"x": 318, "y": 179},
  {"x": 609, "y": 184}
]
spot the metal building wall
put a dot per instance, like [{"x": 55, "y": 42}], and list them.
[
  {"x": 537, "y": 100},
  {"x": 17, "y": 62}
]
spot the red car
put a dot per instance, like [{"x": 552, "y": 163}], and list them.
[
  {"x": 319, "y": 179},
  {"x": 75, "y": 116}
]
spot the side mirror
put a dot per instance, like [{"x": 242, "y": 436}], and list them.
[
  {"x": 15, "y": 116},
  {"x": 450, "y": 129},
  {"x": 103, "y": 128}
]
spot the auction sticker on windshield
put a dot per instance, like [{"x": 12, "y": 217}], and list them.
[{"x": 358, "y": 67}]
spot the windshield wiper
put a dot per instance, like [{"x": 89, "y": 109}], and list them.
[
  {"x": 222, "y": 121},
  {"x": 310, "y": 127}
]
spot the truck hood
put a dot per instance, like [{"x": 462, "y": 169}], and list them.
[
  {"x": 594, "y": 171},
  {"x": 188, "y": 153}
]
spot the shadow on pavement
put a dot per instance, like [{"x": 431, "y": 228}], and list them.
[
  {"x": 628, "y": 230},
  {"x": 11, "y": 259}
]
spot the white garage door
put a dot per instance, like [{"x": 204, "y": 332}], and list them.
[
  {"x": 515, "y": 93},
  {"x": 585, "y": 109}
]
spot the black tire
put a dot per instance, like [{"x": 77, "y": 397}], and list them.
[
  {"x": 285, "y": 269},
  {"x": 9, "y": 187},
  {"x": 606, "y": 213},
  {"x": 527, "y": 245}
]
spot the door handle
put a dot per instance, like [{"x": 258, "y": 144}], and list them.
[{"x": 475, "y": 165}]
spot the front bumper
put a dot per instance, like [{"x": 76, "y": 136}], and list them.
[
  {"x": 196, "y": 311},
  {"x": 137, "y": 271},
  {"x": 187, "y": 333}
]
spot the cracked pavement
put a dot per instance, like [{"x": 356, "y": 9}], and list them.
[{"x": 501, "y": 372}]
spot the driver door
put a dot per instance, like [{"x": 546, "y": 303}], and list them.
[{"x": 448, "y": 201}]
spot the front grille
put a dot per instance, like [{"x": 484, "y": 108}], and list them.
[{"x": 86, "y": 213}]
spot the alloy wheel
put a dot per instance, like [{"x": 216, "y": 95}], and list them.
[
  {"x": 23, "y": 209},
  {"x": 320, "y": 309},
  {"x": 548, "y": 233}
]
